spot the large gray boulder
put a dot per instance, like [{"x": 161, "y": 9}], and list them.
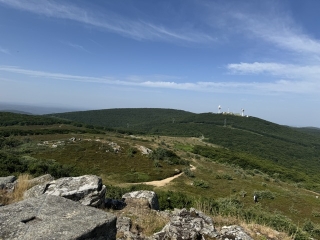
[
  {"x": 87, "y": 189},
  {"x": 42, "y": 179},
  {"x": 150, "y": 196},
  {"x": 186, "y": 224},
  {"x": 52, "y": 217}
]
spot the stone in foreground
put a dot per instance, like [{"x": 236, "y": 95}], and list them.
[
  {"x": 234, "y": 232},
  {"x": 52, "y": 217},
  {"x": 7, "y": 183},
  {"x": 40, "y": 180},
  {"x": 186, "y": 224},
  {"x": 150, "y": 196},
  {"x": 87, "y": 189}
]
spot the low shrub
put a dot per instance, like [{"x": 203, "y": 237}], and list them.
[
  {"x": 224, "y": 176},
  {"x": 171, "y": 200},
  {"x": 162, "y": 154},
  {"x": 188, "y": 173},
  {"x": 264, "y": 194},
  {"x": 131, "y": 151},
  {"x": 200, "y": 183}
]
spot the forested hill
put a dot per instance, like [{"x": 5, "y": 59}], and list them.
[
  {"x": 182, "y": 123},
  {"x": 136, "y": 119},
  {"x": 310, "y": 130},
  {"x": 18, "y": 118},
  {"x": 16, "y": 124},
  {"x": 268, "y": 144}
]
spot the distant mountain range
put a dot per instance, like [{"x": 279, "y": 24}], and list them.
[{"x": 32, "y": 109}]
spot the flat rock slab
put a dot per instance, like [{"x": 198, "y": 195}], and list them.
[
  {"x": 87, "y": 189},
  {"x": 53, "y": 217}
]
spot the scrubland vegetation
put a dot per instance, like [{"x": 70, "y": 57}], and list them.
[{"x": 233, "y": 161}]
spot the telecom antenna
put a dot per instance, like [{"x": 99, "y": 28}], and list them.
[
  {"x": 219, "y": 108},
  {"x": 242, "y": 112}
]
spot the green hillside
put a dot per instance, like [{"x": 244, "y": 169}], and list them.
[
  {"x": 136, "y": 119},
  {"x": 233, "y": 157},
  {"x": 11, "y": 119},
  {"x": 288, "y": 152},
  {"x": 310, "y": 130}
]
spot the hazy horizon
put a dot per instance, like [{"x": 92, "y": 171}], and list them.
[{"x": 42, "y": 109}]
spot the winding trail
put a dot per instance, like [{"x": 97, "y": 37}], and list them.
[{"x": 165, "y": 181}]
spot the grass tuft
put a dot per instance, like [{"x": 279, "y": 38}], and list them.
[
  {"x": 23, "y": 185},
  {"x": 16, "y": 195}
]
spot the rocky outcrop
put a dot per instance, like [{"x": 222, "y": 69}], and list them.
[
  {"x": 186, "y": 224},
  {"x": 48, "y": 213},
  {"x": 42, "y": 179},
  {"x": 234, "y": 232},
  {"x": 53, "y": 217},
  {"x": 123, "y": 224},
  {"x": 35, "y": 191},
  {"x": 123, "y": 229},
  {"x": 87, "y": 189},
  {"x": 182, "y": 224},
  {"x": 150, "y": 196},
  {"x": 144, "y": 150},
  {"x": 8, "y": 183}
]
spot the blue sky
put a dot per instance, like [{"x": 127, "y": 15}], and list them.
[{"x": 194, "y": 55}]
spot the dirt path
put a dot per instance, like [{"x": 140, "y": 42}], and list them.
[
  {"x": 165, "y": 181},
  {"x": 316, "y": 194}
]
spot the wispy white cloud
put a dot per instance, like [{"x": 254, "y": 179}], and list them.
[
  {"x": 75, "y": 46},
  {"x": 307, "y": 73},
  {"x": 268, "y": 23},
  {"x": 136, "y": 29},
  {"x": 278, "y": 29},
  {"x": 5, "y": 51},
  {"x": 299, "y": 71},
  {"x": 280, "y": 86},
  {"x": 48, "y": 75},
  {"x": 293, "y": 78},
  {"x": 96, "y": 43},
  {"x": 153, "y": 78}
]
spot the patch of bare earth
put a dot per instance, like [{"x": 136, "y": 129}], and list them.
[{"x": 165, "y": 181}]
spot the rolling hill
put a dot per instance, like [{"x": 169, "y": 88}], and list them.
[{"x": 291, "y": 153}]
